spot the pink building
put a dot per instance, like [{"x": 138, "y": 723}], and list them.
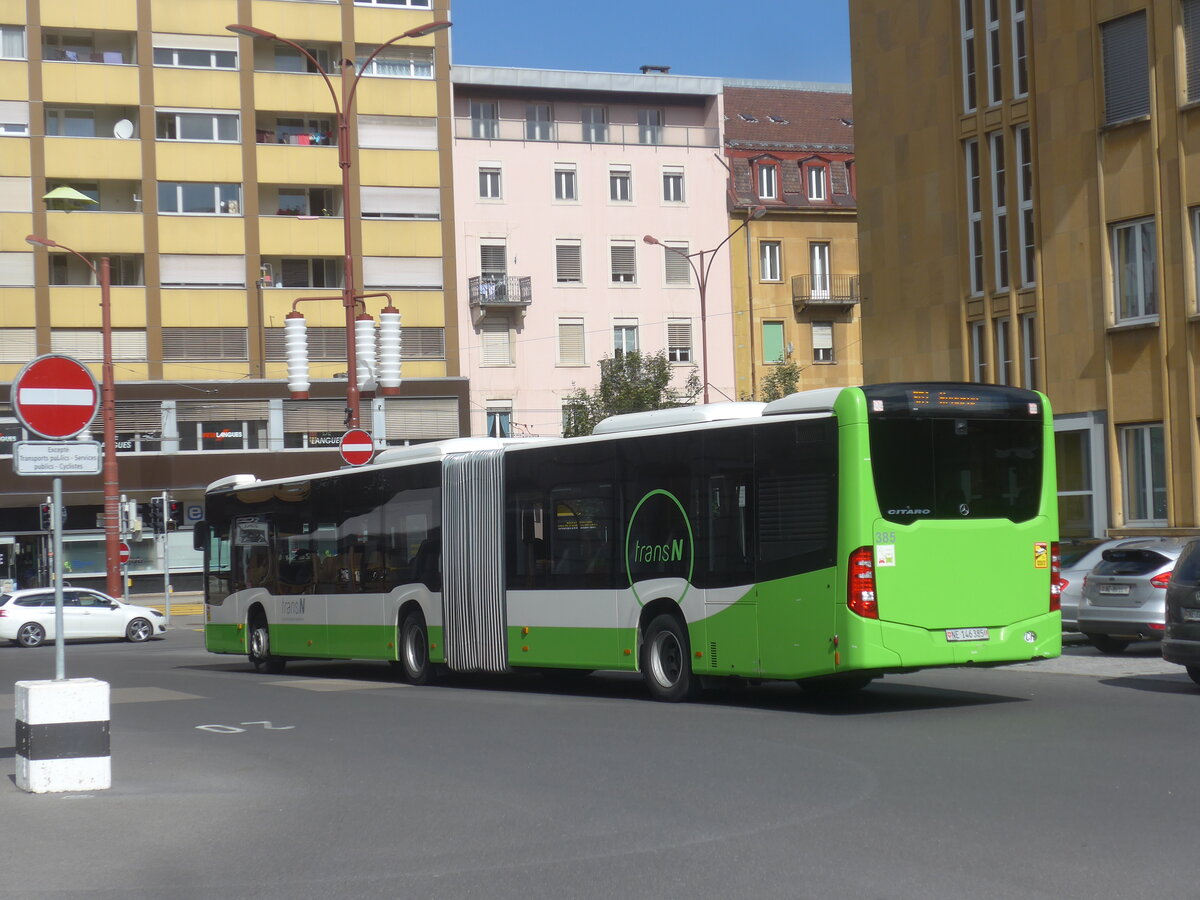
[{"x": 558, "y": 176}]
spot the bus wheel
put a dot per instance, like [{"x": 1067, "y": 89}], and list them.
[
  {"x": 666, "y": 663},
  {"x": 1106, "y": 644},
  {"x": 260, "y": 649},
  {"x": 414, "y": 650}
]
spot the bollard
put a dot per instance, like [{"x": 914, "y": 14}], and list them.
[{"x": 63, "y": 735}]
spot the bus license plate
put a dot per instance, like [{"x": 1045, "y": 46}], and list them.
[{"x": 966, "y": 634}]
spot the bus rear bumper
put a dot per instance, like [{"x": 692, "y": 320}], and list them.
[{"x": 1038, "y": 637}]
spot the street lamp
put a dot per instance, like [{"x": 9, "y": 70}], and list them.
[
  {"x": 341, "y": 110},
  {"x": 108, "y": 416},
  {"x": 705, "y": 258}
]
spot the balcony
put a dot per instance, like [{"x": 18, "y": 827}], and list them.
[
  {"x": 492, "y": 129},
  {"x": 824, "y": 291},
  {"x": 499, "y": 292}
]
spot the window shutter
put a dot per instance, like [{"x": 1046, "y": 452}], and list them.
[
  {"x": 1126, "y": 67},
  {"x": 315, "y": 415},
  {"x": 494, "y": 346},
  {"x": 412, "y": 272},
  {"x": 194, "y": 42},
  {"x": 202, "y": 411},
  {"x": 196, "y": 270},
  {"x": 204, "y": 343},
  {"x": 624, "y": 261},
  {"x": 679, "y": 270},
  {"x": 17, "y": 345},
  {"x": 14, "y": 112},
  {"x": 88, "y": 344},
  {"x": 421, "y": 419},
  {"x": 16, "y": 270},
  {"x": 423, "y": 342},
  {"x": 16, "y": 194},
  {"x": 679, "y": 334},
  {"x": 568, "y": 257},
  {"x": 424, "y": 203},
  {"x": 397, "y": 133},
  {"x": 822, "y": 335},
  {"x": 1191, "y": 44},
  {"x": 139, "y": 415},
  {"x": 570, "y": 343},
  {"x": 493, "y": 259}
]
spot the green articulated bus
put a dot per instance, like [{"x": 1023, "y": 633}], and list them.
[{"x": 828, "y": 537}]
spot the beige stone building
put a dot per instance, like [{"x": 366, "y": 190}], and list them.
[{"x": 1029, "y": 214}]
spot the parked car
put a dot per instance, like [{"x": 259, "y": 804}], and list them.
[
  {"x": 1124, "y": 596},
  {"x": 1181, "y": 638},
  {"x": 1077, "y": 561},
  {"x": 27, "y": 617}
]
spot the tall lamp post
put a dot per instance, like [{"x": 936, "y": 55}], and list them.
[
  {"x": 702, "y": 262},
  {"x": 342, "y": 108},
  {"x": 108, "y": 416}
]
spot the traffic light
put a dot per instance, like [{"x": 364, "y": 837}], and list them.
[
  {"x": 174, "y": 515},
  {"x": 46, "y": 516},
  {"x": 156, "y": 514}
]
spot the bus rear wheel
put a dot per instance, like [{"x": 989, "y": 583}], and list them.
[
  {"x": 666, "y": 660},
  {"x": 414, "y": 650},
  {"x": 259, "y": 651}
]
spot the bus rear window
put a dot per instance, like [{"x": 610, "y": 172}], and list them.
[{"x": 957, "y": 468}]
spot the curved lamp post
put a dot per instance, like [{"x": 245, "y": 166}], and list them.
[
  {"x": 341, "y": 108},
  {"x": 108, "y": 414},
  {"x": 701, "y": 262}
]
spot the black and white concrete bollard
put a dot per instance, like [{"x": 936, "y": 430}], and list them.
[{"x": 63, "y": 735}]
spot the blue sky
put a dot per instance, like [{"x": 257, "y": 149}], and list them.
[{"x": 788, "y": 40}]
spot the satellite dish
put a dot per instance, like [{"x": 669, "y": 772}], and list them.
[{"x": 123, "y": 129}]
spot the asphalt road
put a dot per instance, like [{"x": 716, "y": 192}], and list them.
[{"x": 1064, "y": 779}]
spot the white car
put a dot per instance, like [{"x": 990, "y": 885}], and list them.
[{"x": 27, "y": 617}]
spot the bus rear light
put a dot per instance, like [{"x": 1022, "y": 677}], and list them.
[
  {"x": 1056, "y": 580},
  {"x": 860, "y": 584},
  {"x": 1161, "y": 580}
]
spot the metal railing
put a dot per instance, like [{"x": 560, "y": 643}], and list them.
[
  {"x": 500, "y": 290},
  {"x": 589, "y": 133},
  {"x": 825, "y": 290}
]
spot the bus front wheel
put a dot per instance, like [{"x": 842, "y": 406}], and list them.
[
  {"x": 414, "y": 650},
  {"x": 260, "y": 649},
  {"x": 666, "y": 660}
]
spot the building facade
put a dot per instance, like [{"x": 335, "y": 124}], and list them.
[
  {"x": 205, "y": 165},
  {"x": 1030, "y": 210},
  {"x": 559, "y": 177},
  {"x": 790, "y": 151}
]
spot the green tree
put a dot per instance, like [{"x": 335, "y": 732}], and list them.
[
  {"x": 632, "y": 382},
  {"x": 783, "y": 380}
]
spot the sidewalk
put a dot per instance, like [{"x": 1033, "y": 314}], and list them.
[{"x": 183, "y": 603}]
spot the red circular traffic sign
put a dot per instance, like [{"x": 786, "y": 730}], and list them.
[
  {"x": 123, "y": 551},
  {"x": 55, "y": 396},
  {"x": 357, "y": 447}
]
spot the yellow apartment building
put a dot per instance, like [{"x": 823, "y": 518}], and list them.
[
  {"x": 794, "y": 262},
  {"x": 205, "y": 165},
  {"x": 1029, "y": 215}
]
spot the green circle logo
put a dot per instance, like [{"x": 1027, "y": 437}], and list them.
[{"x": 659, "y": 542}]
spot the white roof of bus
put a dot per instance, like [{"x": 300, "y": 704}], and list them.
[
  {"x": 818, "y": 400},
  {"x": 680, "y": 415}
]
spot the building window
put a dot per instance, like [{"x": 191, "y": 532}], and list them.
[
  {"x": 197, "y": 198},
  {"x": 485, "y": 121},
  {"x": 1020, "y": 53},
  {"x": 818, "y": 258},
  {"x": 974, "y": 218},
  {"x": 538, "y": 122},
  {"x": 1004, "y": 363},
  {"x": 1126, "y": 62},
  {"x": 63, "y": 122},
  {"x": 818, "y": 178},
  {"x": 571, "y": 343},
  {"x": 493, "y": 261},
  {"x": 414, "y": 4},
  {"x": 620, "y": 184},
  {"x": 499, "y": 418},
  {"x": 564, "y": 181},
  {"x": 966, "y": 9},
  {"x": 12, "y": 42},
  {"x": 595, "y": 124},
  {"x": 1191, "y": 47},
  {"x": 999, "y": 209},
  {"x": 650, "y": 126},
  {"x": 672, "y": 178},
  {"x": 1143, "y": 473},
  {"x": 770, "y": 266},
  {"x": 1135, "y": 292},
  {"x": 1025, "y": 199},
  {"x": 995, "y": 76},
  {"x": 396, "y": 62},
  {"x": 222, "y": 434},
  {"x": 495, "y": 340},
  {"x": 977, "y": 352},
  {"x": 14, "y": 117},
  {"x": 568, "y": 262},
  {"x": 625, "y": 337},
  {"x": 195, "y": 59},
  {"x": 679, "y": 340},
  {"x": 186, "y": 344},
  {"x": 196, "y": 126},
  {"x": 489, "y": 182},
  {"x": 623, "y": 256},
  {"x": 822, "y": 342},
  {"x": 768, "y": 181},
  {"x": 1029, "y": 351},
  {"x": 772, "y": 342},
  {"x": 678, "y": 266},
  {"x": 208, "y": 271}
]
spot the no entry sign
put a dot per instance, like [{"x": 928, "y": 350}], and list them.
[
  {"x": 55, "y": 397},
  {"x": 123, "y": 552},
  {"x": 357, "y": 447}
]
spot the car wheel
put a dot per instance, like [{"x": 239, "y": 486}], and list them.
[
  {"x": 1194, "y": 673},
  {"x": 1106, "y": 644},
  {"x": 414, "y": 650},
  {"x": 139, "y": 630},
  {"x": 260, "y": 649},
  {"x": 31, "y": 634},
  {"x": 666, "y": 660}
]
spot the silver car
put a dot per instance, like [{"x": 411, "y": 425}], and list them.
[
  {"x": 1076, "y": 563},
  {"x": 1124, "y": 596}
]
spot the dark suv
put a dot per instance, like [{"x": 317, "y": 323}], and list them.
[{"x": 1181, "y": 640}]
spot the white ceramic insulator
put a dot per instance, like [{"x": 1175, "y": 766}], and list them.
[
  {"x": 364, "y": 349},
  {"x": 389, "y": 351},
  {"x": 295, "y": 340}
]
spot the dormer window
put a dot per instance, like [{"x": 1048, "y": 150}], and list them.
[
  {"x": 768, "y": 181},
  {"x": 818, "y": 183}
]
